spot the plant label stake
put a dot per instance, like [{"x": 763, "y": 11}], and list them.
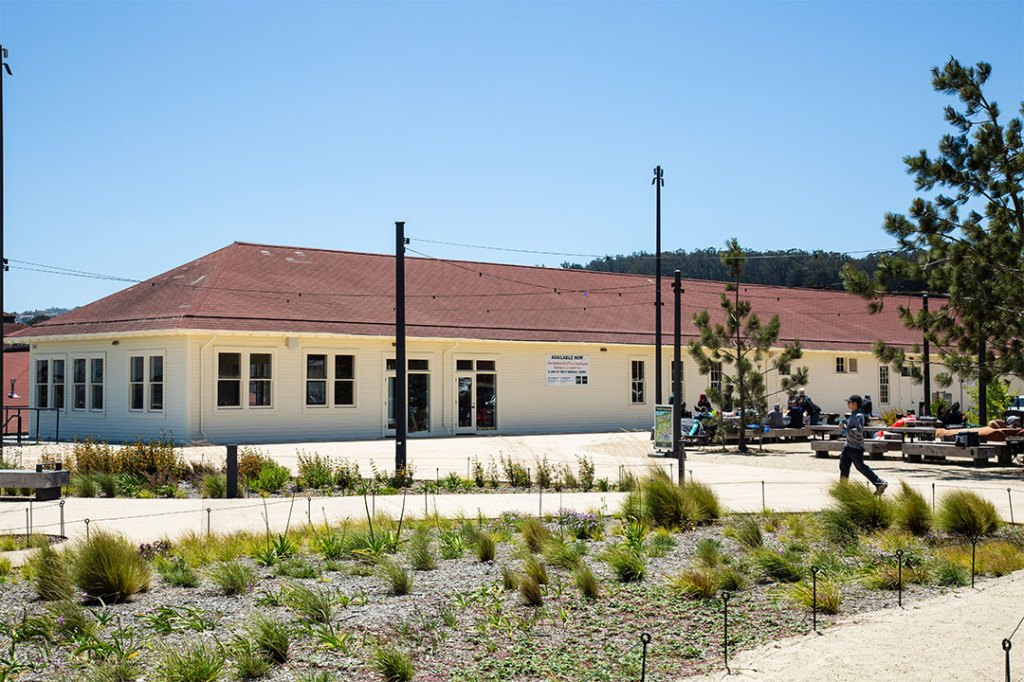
[
  {"x": 814, "y": 597},
  {"x": 763, "y": 507},
  {"x": 725, "y": 638},
  {"x": 87, "y": 529},
  {"x": 645, "y": 639},
  {"x": 1006, "y": 647},
  {"x": 61, "y": 505},
  {"x": 899, "y": 576}
]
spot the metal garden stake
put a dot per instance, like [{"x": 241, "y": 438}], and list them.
[
  {"x": 814, "y": 597},
  {"x": 645, "y": 639},
  {"x": 1006, "y": 647},
  {"x": 899, "y": 576},
  {"x": 725, "y": 638}
]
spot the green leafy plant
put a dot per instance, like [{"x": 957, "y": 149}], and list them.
[{"x": 176, "y": 571}]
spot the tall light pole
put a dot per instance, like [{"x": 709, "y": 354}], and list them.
[
  {"x": 677, "y": 379},
  {"x": 3, "y": 259},
  {"x": 658, "y": 182},
  {"x": 400, "y": 398},
  {"x": 927, "y": 360}
]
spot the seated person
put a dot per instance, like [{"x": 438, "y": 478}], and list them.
[
  {"x": 703, "y": 405},
  {"x": 775, "y": 418},
  {"x": 795, "y": 417},
  {"x": 953, "y": 416}
]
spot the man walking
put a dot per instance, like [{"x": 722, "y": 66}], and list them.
[{"x": 853, "y": 451}]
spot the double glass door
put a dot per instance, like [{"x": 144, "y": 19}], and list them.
[{"x": 477, "y": 406}]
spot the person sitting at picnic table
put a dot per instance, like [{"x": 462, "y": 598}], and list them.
[
  {"x": 865, "y": 408},
  {"x": 776, "y": 419},
  {"x": 795, "y": 417},
  {"x": 703, "y": 405},
  {"x": 954, "y": 416}
]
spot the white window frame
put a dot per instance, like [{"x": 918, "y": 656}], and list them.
[
  {"x": 50, "y": 384},
  {"x": 88, "y": 385},
  {"x": 840, "y": 365},
  {"x": 716, "y": 370},
  {"x": 883, "y": 384},
  {"x": 245, "y": 380},
  {"x": 635, "y": 382},
  {"x": 330, "y": 379},
  {"x": 147, "y": 382},
  {"x": 846, "y": 365}
]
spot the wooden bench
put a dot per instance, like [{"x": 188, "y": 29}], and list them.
[
  {"x": 874, "y": 448},
  {"x": 46, "y": 483},
  {"x": 781, "y": 433},
  {"x": 915, "y": 452}
]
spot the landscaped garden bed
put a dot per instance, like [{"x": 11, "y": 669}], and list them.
[{"x": 512, "y": 598}]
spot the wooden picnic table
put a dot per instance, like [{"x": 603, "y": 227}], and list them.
[
  {"x": 825, "y": 431},
  {"x": 913, "y": 432}
]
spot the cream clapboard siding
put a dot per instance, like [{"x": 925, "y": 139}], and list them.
[{"x": 116, "y": 422}]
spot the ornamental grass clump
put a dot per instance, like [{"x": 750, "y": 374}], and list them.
[
  {"x": 829, "y": 595},
  {"x": 866, "y": 510},
  {"x": 746, "y": 531},
  {"x": 911, "y": 512},
  {"x": 963, "y": 512},
  {"x": 565, "y": 555},
  {"x": 196, "y": 663},
  {"x": 108, "y": 568},
  {"x": 626, "y": 563},
  {"x": 773, "y": 565},
  {"x": 530, "y": 590},
  {"x": 659, "y": 501},
  {"x": 314, "y": 605},
  {"x": 392, "y": 664},
  {"x": 270, "y": 638},
  {"x": 993, "y": 557},
  {"x": 697, "y": 582},
  {"x": 232, "y": 577},
  {"x": 486, "y": 549},
  {"x": 421, "y": 558},
  {"x": 586, "y": 581},
  {"x": 399, "y": 580},
  {"x": 214, "y": 486},
  {"x": 535, "y": 534},
  {"x": 50, "y": 576},
  {"x": 176, "y": 571}
]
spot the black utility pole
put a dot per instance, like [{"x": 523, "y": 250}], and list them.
[
  {"x": 927, "y": 361},
  {"x": 3, "y": 259},
  {"x": 658, "y": 182},
  {"x": 982, "y": 378},
  {"x": 677, "y": 381},
  {"x": 401, "y": 396}
]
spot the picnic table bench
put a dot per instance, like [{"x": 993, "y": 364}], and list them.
[
  {"x": 915, "y": 452},
  {"x": 823, "y": 431},
  {"x": 913, "y": 432},
  {"x": 46, "y": 483},
  {"x": 874, "y": 448},
  {"x": 780, "y": 433}
]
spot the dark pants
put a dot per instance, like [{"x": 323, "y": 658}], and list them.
[{"x": 855, "y": 457}]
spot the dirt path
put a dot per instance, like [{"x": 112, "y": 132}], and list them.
[{"x": 957, "y": 636}]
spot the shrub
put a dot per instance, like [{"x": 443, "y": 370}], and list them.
[
  {"x": 85, "y": 486},
  {"x": 50, "y": 575},
  {"x": 746, "y": 531},
  {"x": 88, "y": 456},
  {"x": 963, "y": 512},
  {"x": 585, "y": 465},
  {"x": 214, "y": 486},
  {"x": 196, "y": 663},
  {"x": 108, "y": 568},
  {"x": 515, "y": 473},
  {"x": 911, "y": 511},
  {"x": 312, "y": 605},
  {"x": 530, "y": 591},
  {"x": 270, "y": 637},
  {"x": 232, "y": 577},
  {"x": 346, "y": 475},
  {"x": 585, "y": 580},
  {"x": 399, "y": 580},
  {"x": 420, "y": 556},
  {"x": 315, "y": 471},
  {"x": 106, "y": 482},
  {"x": 176, "y": 571},
  {"x": 392, "y": 665},
  {"x": 778, "y": 567},
  {"x": 627, "y": 565},
  {"x": 860, "y": 505},
  {"x": 830, "y": 597},
  {"x": 155, "y": 457},
  {"x": 271, "y": 479},
  {"x": 485, "y": 547},
  {"x": 250, "y": 462}
]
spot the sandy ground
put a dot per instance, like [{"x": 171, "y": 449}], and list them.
[{"x": 953, "y": 637}]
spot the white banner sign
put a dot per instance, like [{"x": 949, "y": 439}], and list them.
[{"x": 568, "y": 370}]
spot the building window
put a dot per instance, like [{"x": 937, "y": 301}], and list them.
[
  {"x": 78, "y": 383},
  {"x": 341, "y": 369},
  {"x": 229, "y": 380},
  {"x": 42, "y": 383},
  {"x": 344, "y": 380},
  {"x": 259, "y": 379},
  {"x": 57, "y": 384},
  {"x": 96, "y": 384},
  {"x": 636, "y": 374},
  {"x": 846, "y": 365},
  {"x": 316, "y": 380},
  {"x": 418, "y": 388},
  {"x": 883, "y": 384},
  {"x": 906, "y": 371},
  {"x": 716, "y": 376},
  {"x": 146, "y": 383}
]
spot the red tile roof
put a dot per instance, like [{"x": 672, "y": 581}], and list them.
[{"x": 255, "y": 287}]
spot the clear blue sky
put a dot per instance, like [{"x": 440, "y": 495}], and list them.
[{"x": 141, "y": 135}]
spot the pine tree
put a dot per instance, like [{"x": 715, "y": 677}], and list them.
[
  {"x": 967, "y": 239},
  {"x": 744, "y": 343}
]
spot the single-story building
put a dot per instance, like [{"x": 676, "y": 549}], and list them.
[{"x": 259, "y": 343}]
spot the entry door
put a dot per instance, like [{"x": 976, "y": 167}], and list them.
[{"x": 465, "y": 405}]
